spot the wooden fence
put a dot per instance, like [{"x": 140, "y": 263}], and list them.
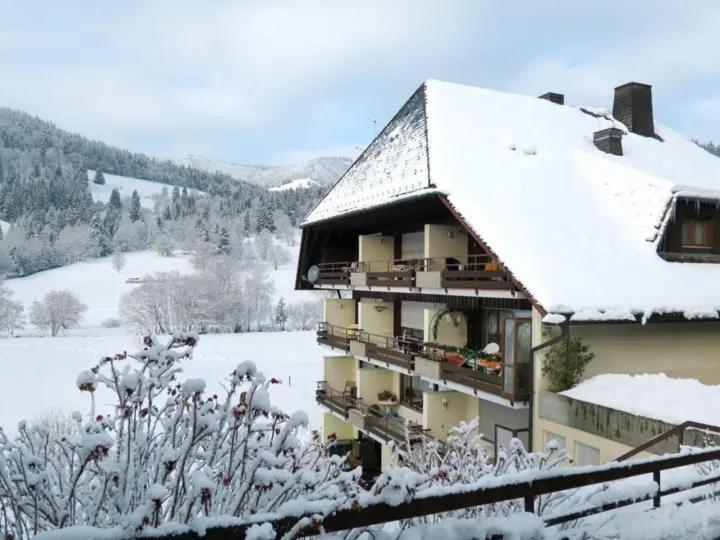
[{"x": 527, "y": 491}]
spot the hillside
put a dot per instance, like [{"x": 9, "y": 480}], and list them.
[
  {"x": 300, "y": 183},
  {"x": 323, "y": 170},
  {"x": 148, "y": 191},
  {"x": 26, "y": 140}
]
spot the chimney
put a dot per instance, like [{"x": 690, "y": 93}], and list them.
[
  {"x": 555, "y": 98},
  {"x": 633, "y": 107},
  {"x": 609, "y": 141}
]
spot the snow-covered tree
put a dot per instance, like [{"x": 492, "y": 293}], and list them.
[
  {"x": 257, "y": 306},
  {"x": 304, "y": 315},
  {"x": 164, "y": 245},
  {"x": 165, "y": 451},
  {"x": 284, "y": 229},
  {"x": 77, "y": 243},
  {"x": 281, "y": 314},
  {"x": 135, "y": 211},
  {"x": 118, "y": 261},
  {"x": 99, "y": 178},
  {"x": 57, "y": 310},
  {"x": 12, "y": 312},
  {"x": 264, "y": 244}
]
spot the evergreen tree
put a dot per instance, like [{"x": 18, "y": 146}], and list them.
[
  {"x": 223, "y": 242},
  {"x": 99, "y": 178},
  {"x": 135, "y": 208},
  {"x": 115, "y": 201},
  {"x": 281, "y": 314}
]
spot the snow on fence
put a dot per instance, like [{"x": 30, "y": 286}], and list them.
[{"x": 528, "y": 486}]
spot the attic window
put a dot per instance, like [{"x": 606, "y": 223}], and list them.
[
  {"x": 697, "y": 233},
  {"x": 693, "y": 232}
]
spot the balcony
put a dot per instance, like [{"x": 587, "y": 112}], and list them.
[
  {"x": 334, "y": 400},
  {"x": 474, "y": 374},
  {"x": 392, "y": 351},
  {"x": 335, "y": 337},
  {"x": 332, "y": 274},
  {"x": 477, "y": 272},
  {"x": 382, "y": 424},
  {"x": 393, "y": 273}
]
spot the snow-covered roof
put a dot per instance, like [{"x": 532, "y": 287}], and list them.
[
  {"x": 577, "y": 227},
  {"x": 653, "y": 396}
]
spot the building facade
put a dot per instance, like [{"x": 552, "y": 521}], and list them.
[{"x": 464, "y": 243}]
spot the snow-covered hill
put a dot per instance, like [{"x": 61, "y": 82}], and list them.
[
  {"x": 100, "y": 286},
  {"x": 126, "y": 185},
  {"x": 300, "y": 183},
  {"x": 323, "y": 170}
]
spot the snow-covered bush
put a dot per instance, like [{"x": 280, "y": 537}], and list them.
[
  {"x": 164, "y": 452},
  {"x": 429, "y": 464},
  {"x": 112, "y": 322},
  {"x": 57, "y": 310}
]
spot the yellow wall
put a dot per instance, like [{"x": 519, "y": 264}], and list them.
[
  {"x": 445, "y": 241},
  {"x": 438, "y": 419},
  {"x": 374, "y": 321},
  {"x": 373, "y": 380},
  {"x": 339, "y": 311},
  {"x": 609, "y": 450},
  {"x": 338, "y": 370},
  {"x": 343, "y": 430},
  {"x": 448, "y": 332},
  {"x": 684, "y": 349},
  {"x": 386, "y": 459},
  {"x": 376, "y": 248}
]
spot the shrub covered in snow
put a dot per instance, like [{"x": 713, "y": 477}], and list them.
[{"x": 165, "y": 452}]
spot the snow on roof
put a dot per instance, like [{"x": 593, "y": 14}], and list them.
[
  {"x": 654, "y": 396},
  {"x": 576, "y": 226}
]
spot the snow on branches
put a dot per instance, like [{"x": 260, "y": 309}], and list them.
[{"x": 166, "y": 452}]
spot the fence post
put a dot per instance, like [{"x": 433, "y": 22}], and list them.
[
  {"x": 530, "y": 503},
  {"x": 656, "y": 479}
]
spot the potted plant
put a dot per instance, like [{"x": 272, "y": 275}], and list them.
[{"x": 386, "y": 395}]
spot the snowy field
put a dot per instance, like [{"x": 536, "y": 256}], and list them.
[
  {"x": 100, "y": 286},
  {"x": 38, "y": 373},
  {"x": 126, "y": 185}
]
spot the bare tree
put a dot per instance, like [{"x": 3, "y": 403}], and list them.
[
  {"x": 304, "y": 315},
  {"x": 12, "y": 313},
  {"x": 118, "y": 261},
  {"x": 57, "y": 310}
]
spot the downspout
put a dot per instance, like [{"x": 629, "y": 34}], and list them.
[{"x": 564, "y": 334}]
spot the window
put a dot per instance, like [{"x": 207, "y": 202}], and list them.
[
  {"x": 411, "y": 391},
  {"x": 586, "y": 454},
  {"x": 559, "y": 439},
  {"x": 697, "y": 233}
]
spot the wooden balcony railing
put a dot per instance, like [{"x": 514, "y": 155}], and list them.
[
  {"x": 464, "y": 272},
  {"x": 337, "y": 337},
  {"x": 475, "y": 272},
  {"x": 491, "y": 377},
  {"x": 336, "y": 400},
  {"x": 334, "y": 273},
  {"x": 387, "y": 427},
  {"x": 391, "y": 350}
]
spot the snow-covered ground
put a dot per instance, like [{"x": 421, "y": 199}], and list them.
[
  {"x": 100, "y": 286},
  {"x": 38, "y": 373},
  {"x": 126, "y": 185},
  {"x": 96, "y": 282},
  {"x": 300, "y": 183}
]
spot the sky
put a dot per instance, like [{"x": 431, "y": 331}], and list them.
[{"x": 272, "y": 82}]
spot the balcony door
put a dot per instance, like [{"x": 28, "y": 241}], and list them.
[{"x": 517, "y": 334}]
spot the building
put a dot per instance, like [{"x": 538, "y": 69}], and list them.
[{"x": 477, "y": 231}]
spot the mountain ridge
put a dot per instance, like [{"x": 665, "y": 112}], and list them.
[{"x": 324, "y": 170}]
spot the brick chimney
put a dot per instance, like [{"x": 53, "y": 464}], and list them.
[
  {"x": 609, "y": 141},
  {"x": 555, "y": 98},
  {"x": 633, "y": 107}
]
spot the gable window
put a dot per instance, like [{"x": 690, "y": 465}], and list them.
[{"x": 697, "y": 233}]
